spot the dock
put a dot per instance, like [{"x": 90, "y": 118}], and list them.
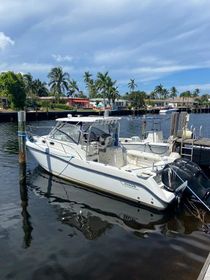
[
  {"x": 201, "y": 142},
  {"x": 197, "y": 150},
  {"x": 205, "y": 271}
]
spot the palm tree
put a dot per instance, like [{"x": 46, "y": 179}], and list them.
[
  {"x": 153, "y": 95},
  {"x": 196, "y": 92},
  {"x": 173, "y": 93},
  {"x": 73, "y": 87},
  {"x": 40, "y": 88},
  {"x": 114, "y": 94},
  {"x": 132, "y": 85},
  {"x": 88, "y": 81},
  {"x": 58, "y": 81},
  {"x": 111, "y": 90},
  {"x": 101, "y": 83},
  {"x": 93, "y": 93},
  {"x": 29, "y": 86},
  {"x": 87, "y": 77},
  {"x": 159, "y": 90},
  {"x": 165, "y": 93}
]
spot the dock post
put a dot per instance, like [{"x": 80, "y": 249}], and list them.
[
  {"x": 174, "y": 124},
  {"x": 106, "y": 113},
  {"x": 27, "y": 228},
  {"x": 22, "y": 136},
  {"x": 26, "y": 223}
]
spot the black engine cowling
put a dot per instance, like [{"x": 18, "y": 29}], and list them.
[{"x": 181, "y": 170}]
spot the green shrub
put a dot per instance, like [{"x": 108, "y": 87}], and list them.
[{"x": 60, "y": 106}]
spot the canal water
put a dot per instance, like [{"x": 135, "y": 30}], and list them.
[{"x": 52, "y": 229}]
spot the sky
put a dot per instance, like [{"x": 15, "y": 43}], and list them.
[{"x": 154, "y": 42}]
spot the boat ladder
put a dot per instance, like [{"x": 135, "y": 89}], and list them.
[{"x": 187, "y": 151}]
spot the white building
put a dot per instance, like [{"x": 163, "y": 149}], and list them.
[{"x": 99, "y": 103}]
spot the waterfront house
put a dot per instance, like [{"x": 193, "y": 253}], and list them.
[
  {"x": 82, "y": 103},
  {"x": 99, "y": 103},
  {"x": 176, "y": 102}
]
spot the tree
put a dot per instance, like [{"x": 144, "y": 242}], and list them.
[
  {"x": 159, "y": 90},
  {"x": 137, "y": 99},
  {"x": 29, "y": 84},
  {"x": 111, "y": 90},
  {"x": 107, "y": 87},
  {"x": 73, "y": 87},
  {"x": 173, "y": 92},
  {"x": 186, "y": 94},
  {"x": 90, "y": 85},
  {"x": 205, "y": 99},
  {"x": 132, "y": 85},
  {"x": 12, "y": 86},
  {"x": 88, "y": 81},
  {"x": 153, "y": 95},
  {"x": 114, "y": 94},
  {"x": 58, "y": 81},
  {"x": 196, "y": 92},
  {"x": 165, "y": 93},
  {"x": 101, "y": 84},
  {"x": 40, "y": 88},
  {"x": 87, "y": 77},
  {"x": 35, "y": 87},
  {"x": 80, "y": 94}
]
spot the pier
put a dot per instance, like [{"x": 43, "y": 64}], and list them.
[
  {"x": 202, "y": 142},
  {"x": 198, "y": 150}
]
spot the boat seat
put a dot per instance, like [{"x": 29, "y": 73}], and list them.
[{"x": 144, "y": 155}]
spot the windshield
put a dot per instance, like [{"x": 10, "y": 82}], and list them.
[{"x": 66, "y": 132}]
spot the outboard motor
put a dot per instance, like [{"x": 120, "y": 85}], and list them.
[{"x": 181, "y": 170}]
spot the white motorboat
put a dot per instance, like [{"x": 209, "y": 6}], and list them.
[
  {"x": 152, "y": 143},
  {"x": 86, "y": 150},
  {"x": 167, "y": 110}
]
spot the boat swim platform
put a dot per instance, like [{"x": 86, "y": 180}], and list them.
[{"x": 205, "y": 271}]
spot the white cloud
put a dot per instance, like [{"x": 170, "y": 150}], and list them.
[
  {"x": 31, "y": 67},
  {"x": 191, "y": 87},
  {"x": 60, "y": 58},
  {"x": 146, "y": 40},
  {"x": 5, "y": 41}
]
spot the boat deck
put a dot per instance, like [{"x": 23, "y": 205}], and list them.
[{"x": 142, "y": 171}]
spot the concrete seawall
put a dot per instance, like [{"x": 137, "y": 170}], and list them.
[{"x": 52, "y": 115}]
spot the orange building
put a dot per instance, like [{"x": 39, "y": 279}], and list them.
[{"x": 78, "y": 102}]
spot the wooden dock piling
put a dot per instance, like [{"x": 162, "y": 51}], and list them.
[
  {"x": 27, "y": 228},
  {"x": 22, "y": 136}
]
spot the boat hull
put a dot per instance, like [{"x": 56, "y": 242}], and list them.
[
  {"x": 102, "y": 178},
  {"x": 167, "y": 111}
]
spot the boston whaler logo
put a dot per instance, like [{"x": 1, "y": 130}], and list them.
[{"x": 129, "y": 185}]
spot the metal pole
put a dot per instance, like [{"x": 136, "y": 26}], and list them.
[{"x": 22, "y": 136}]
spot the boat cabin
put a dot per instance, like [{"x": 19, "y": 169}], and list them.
[
  {"x": 94, "y": 138},
  {"x": 97, "y": 139}
]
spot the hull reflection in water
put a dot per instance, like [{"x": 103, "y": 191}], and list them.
[{"x": 90, "y": 212}]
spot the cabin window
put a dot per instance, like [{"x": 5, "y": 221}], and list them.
[{"x": 66, "y": 132}]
